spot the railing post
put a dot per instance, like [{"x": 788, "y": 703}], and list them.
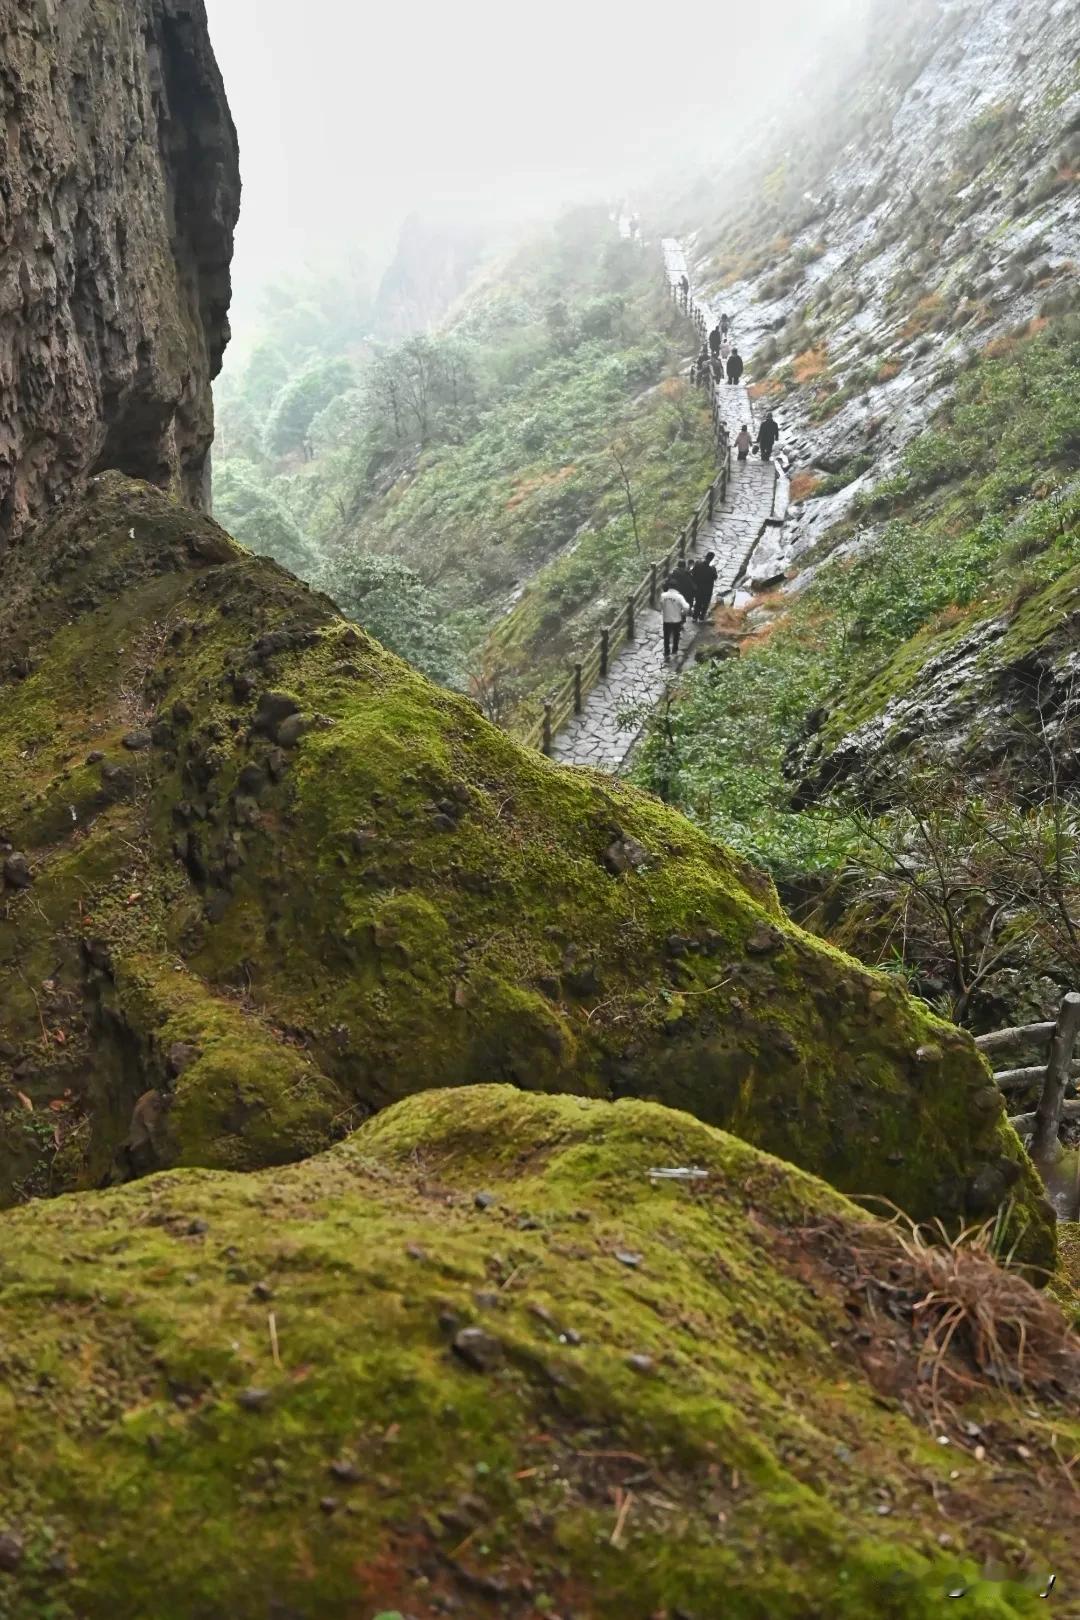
[
  {"x": 629, "y": 618},
  {"x": 577, "y": 688},
  {"x": 1044, "y": 1138},
  {"x": 693, "y": 532},
  {"x": 652, "y": 584},
  {"x": 547, "y": 728},
  {"x": 603, "y": 652}
]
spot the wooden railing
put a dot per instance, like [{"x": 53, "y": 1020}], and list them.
[
  {"x": 569, "y": 698},
  {"x": 1059, "y": 1067},
  {"x": 693, "y": 311}
]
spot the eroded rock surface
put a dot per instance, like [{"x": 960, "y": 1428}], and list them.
[{"x": 119, "y": 193}]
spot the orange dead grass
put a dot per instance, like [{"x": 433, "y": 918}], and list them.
[
  {"x": 528, "y": 486},
  {"x": 803, "y": 485},
  {"x": 768, "y": 388},
  {"x": 927, "y": 313},
  {"x": 809, "y": 365}
]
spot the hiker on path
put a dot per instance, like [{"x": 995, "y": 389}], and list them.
[
  {"x": 673, "y": 610},
  {"x": 717, "y": 368},
  {"x": 704, "y": 577},
  {"x": 734, "y": 367},
  {"x": 743, "y": 442},
  {"x": 702, "y": 364},
  {"x": 725, "y": 323},
  {"x": 725, "y": 351},
  {"x": 683, "y": 580},
  {"x": 768, "y": 433},
  {"x": 714, "y": 342},
  {"x": 684, "y": 288}
]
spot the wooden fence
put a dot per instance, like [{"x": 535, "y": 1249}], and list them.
[
  {"x": 569, "y": 698},
  {"x": 1058, "y": 1068}
]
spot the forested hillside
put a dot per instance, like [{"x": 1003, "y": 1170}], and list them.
[{"x": 477, "y": 496}]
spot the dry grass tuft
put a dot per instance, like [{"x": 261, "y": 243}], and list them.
[
  {"x": 973, "y": 1321},
  {"x": 803, "y": 485}
]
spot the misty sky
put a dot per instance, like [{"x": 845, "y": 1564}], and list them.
[{"x": 350, "y": 115}]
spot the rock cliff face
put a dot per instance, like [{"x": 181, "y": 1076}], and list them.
[
  {"x": 436, "y": 260},
  {"x": 870, "y": 250},
  {"x": 119, "y": 193}
]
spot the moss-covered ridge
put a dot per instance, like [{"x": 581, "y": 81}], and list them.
[
  {"x": 280, "y": 881},
  {"x": 477, "y": 1353}
]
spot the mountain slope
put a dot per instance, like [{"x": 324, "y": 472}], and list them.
[
  {"x": 902, "y": 282},
  {"x": 524, "y": 460},
  {"x": 264, "y": 879}
]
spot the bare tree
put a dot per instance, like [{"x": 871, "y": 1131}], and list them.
[
  {"x": 492, "y": 689},
  {"x": 964, "y": 883},
  {"x": 619, "y": 459}
]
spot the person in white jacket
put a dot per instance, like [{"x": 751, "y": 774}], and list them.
[{"x": 673, "y": 610}]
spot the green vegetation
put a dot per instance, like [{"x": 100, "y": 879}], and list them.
[
  {"x": 282, "y": 881},
  {"x": 972, "y": 522},
  {"x": 523, "y": 464},
  {"x": 475, "y": 1357}
]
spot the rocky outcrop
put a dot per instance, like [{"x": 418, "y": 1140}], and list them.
[
  {"x": 994, "y": 698},
  {"x": 435, "y": 261},
  {"x": 271, "y": 874},
  {"x": 119, "y": 193},
  {"x": 479, "y": 1360}
]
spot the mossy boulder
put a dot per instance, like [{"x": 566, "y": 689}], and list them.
[
  {"x": 479, "y": 1359},
  {"x": 337, "y": 885}
]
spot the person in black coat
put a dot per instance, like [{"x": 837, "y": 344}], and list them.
[
  {"x": 725, "y": 322},
  {"x": 768, "y": 433},
  {"x": 683, "y": 581},
  {"x": 714, "y": 341},
  {"x": 734, "y": 366},
  {"x": 703, "y": 575}
]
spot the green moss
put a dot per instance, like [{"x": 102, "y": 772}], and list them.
[
  {"x": 1066, "y": 1281},
  {"x": 759, "y": 1448},
  {"x": 404, "y": 899}
]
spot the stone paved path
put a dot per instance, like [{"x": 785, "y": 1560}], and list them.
[{"x": 612, "y": 716}]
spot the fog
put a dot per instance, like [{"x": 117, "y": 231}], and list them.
[{"x": 351, "y": 116}]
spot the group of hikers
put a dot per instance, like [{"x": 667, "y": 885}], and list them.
[
  {"x": 718, "y": 356},
  {"x": 687, "y": 594},
  {"x": 768, "y": 433}
]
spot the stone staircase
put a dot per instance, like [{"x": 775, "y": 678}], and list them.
[{"x": 604, "y": 733}]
